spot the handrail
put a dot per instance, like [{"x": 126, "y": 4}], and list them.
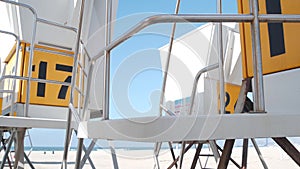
[
  {"x": 35, "y": 21},
  {"x": 166, "y": 18},
  {"x": 179, "y": 18},
  {"x": 195, "y": 84},
  {"x": 57, "y": 24},
  {"x": 34, "y": 79},
  {"x": 169, "y": 112},
  {"x": 221, "y": 59},
  {"x": 258, "y": 94},
  {"x": 167, "y": 65},
  {"x": 16, "y": 63},
  {"x": 10, "y": 33},
  {"x": 163, "y": 18},
  {"x": 34, "y": 25}
]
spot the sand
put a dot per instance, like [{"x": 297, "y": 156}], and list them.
[{"x": 143, "y": 159}]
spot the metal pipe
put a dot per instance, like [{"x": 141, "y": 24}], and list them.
[
  {"x": 53, "y": 52},
  {"x": 10, "y": 33},
  {"x": 166, "y": 18},
  {"x": 11, "y": 139},
  {"x": 85, "y": 50},
  {"x": 259, "y": 153},
  {"x": 75, "y": 115},
  {"x": 28, "y": 161},
  {"x": 169, "y": 112},
  {"x": 278, "y": 18},
  {"x": 88, "y": 91},
  {"x": 34, "y": 24},
  {"x": 168, "y": 59},
  {"x": 35, "y": 79},
  {"x": 78, "y": 153},
  {"x": 15, "y": 80},
  {"x": 56, "y": 24},
  {"x": 113, "y": 155},
  {"x": 16, "y": 65},
  {"x": 106, "y": 84},
  {"x": 245, "y": 153},
  {"x": 221, "y": 61},
  {"x": 182, "y": 152},
  {"x": 180, "y": 18},
  {"x": 87, "y": 153},
  {"x": 20, "y": 4},
  {"x": 6, "y": 91},
  {"x": 69, "y": 117},
  {"x": 31, "y": 51},
  {"x": 163, "y": 18},
  {"x": 157, "y": 148},
  {"x": 197, "y": 77},
  {"x": 259, "y": 102}
]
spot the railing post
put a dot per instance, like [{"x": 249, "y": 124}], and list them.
[
  {"x": 258, "y": 87},
  {"x": 162, "y": 95},
  {"x": 107, "y": 59},
  {"x": 34, "y": 24},
  {"x": 75, "y": 63},
  {"x": 221, "y": 61}
]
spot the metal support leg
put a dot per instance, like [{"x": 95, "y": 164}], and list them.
[
  {"x": 28, "y": 161},
  {"x": 214, "y": 148},
  {"x": 287, "y": 146},
  {"x": 245, "y": 153},
  {"x": 113, "y": 155},
  {"x": 87, "y": 154},
  {"x": 226, "y": 154},
  {"x": 259, "y": 102},
  {"x": 196, "y": 157},
  {"x": 232, "y": 160},
  {"x": 242, "y": 96},
  {"x": 185, "y": 150},
  {"x": 172, "y": 153},
  {"x": 168, "y": 59},
  {"x": 11, "y": 139},
  {"x": 259, "y": 153},
  {"x": 79, "y": 152},
  {"x": 6, "y": 149},
  {"x": 19, "y": 155},
  {"x": 75, "y": 63},
  {"x": 221, "y": 60},
  {"x": 156, "y": 154},
  {"x": 181, "y": 154}
]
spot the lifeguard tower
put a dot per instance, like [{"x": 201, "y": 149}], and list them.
[
  {"x": 47, "y": 81},
  {"x": 37, "y": 77}
]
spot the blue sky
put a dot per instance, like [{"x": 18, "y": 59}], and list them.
[{"x": 144, "y": 83}]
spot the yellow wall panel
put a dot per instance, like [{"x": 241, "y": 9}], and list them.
[
  {"x": 278, "y": 40},
  {"x": 1, "y": 106},
  {"x": 13, "y": 69},
  {"x": 232, "y": 92},
  {"x": 49, "y": 64}
]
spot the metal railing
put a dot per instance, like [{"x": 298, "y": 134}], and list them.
[
  {"x": 31, "y": 52},
  {"x": 180, "y": 18},
  {"x": 12, "y": 92},
  {"x": 195, "y": 84}
]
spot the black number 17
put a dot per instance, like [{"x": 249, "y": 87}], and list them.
[{"x": 42, "y": 75}]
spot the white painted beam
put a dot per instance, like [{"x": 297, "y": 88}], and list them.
[{"x": 213, "y": 127}]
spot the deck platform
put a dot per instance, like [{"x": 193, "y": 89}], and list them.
[{"x": 186, "y": 128}]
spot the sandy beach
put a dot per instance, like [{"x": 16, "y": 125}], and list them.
[{"x": 143, "y": 159}]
